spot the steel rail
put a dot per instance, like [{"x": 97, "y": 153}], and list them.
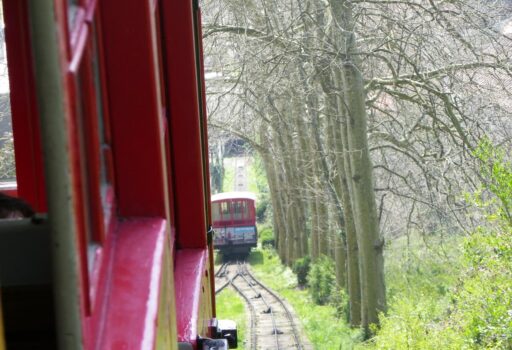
[
  {"x": 289, "y": 315},
  {"x": 230, "y": 280},
  {"x": 221, "y": 270},
  {"x": 242, "y": 271},
  {"x": 254, "y": 338}
]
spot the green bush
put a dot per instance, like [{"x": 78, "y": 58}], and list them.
[
  {"x": 301, "y": 269},
  {"x": 322, "y": 280},
  {"x": 339, "y": 300},
  {"x": 262, "y": 206},
  {"x": 483, "y": 302},
  {"x": 266, "y": 236}
]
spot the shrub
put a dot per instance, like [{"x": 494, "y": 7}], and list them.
[
  {"x": 262, "y": 206},
  {"x": 339, "y": 299},
  {"x": 484, "y": 298},
  {"x": 267, "y": 237},
  {"x": 301, "y": 269},
  {"x": 322, "y": 280}
]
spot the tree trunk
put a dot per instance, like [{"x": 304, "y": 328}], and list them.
[
  {"x": 353, "y": 265},
  {"x": 275, "y": 196},
  {"x": 366, "y": 220}
]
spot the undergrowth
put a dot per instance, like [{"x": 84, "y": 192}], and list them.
[{"x": 464, "y": 302}]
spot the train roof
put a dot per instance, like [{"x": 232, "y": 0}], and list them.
[{"x": 233, "y": 195}]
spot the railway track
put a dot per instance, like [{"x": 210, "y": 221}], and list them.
[{"x": 272, "y": 325}]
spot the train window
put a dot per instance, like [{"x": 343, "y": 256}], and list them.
[
  {"x": 241, "y": 210},
  {"x": 103, "y": 130},
  {"x": 7, "y": 164},
  {"x": 225, "y": 211},
  {"x": 237, "y": 210},
  {"x": 93, "y": 164},
  {"x": 96, "y": 133},
  {"x": 86, "y": 190},
  {"x": 245, "y": 209},
  {"x": 72, "y": 12}
]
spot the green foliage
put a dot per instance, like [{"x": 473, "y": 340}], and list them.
[
  {"x": 266, "y": 236},
  {"x": 7, "y": 165},
  {"x": 339, "y": 300},
  {"x": 301, "y": 268},
  {"x": 483, "y": 300},
  {"x": 322, "y": 280},
  {"x": 258, "y": 184},
  {"x": 471, "y": 305},
  {"x": 418, "y": 280},
  {"x": 262, "y": 207},
  {"x": 255, "y": 257},
  {"x": 257, "y": 177},
  {"x": 497, "y": 172}
]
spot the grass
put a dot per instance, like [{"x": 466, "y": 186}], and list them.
[{"x": 231, "y": 307}]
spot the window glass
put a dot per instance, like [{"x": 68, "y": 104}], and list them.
[
  {"x": 240, "y": 210},
  {"x": 7, "y": 164},
  {"x": 72, "y": 11},
  {"x": 245, "y": 205},
  {"x": 226, "y": 215},
  {"x": 104, "y": 145},
  {"x": 85, "y": 185},
  {"x": 236, "y": 210}
]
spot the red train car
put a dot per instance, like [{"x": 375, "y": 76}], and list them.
[
  {"x": 234, "y": 222},
  {"x": 109, "y": 127}
]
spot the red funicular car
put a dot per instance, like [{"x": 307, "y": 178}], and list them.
[{"x": 234, "y": 222}]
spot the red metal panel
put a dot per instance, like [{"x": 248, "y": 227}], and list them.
[
  {"x": 101, "y": 276},
  {"x": 190, "y": 267},
  {"x": 131, "y": 317},
  {"x": 206, "y": 163},
  {"x": 186, "y": 134},
  {"x": 25, "y": 118},
  {"x": 134, "y": 109},
  {"x": 204, "y": 117}
]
